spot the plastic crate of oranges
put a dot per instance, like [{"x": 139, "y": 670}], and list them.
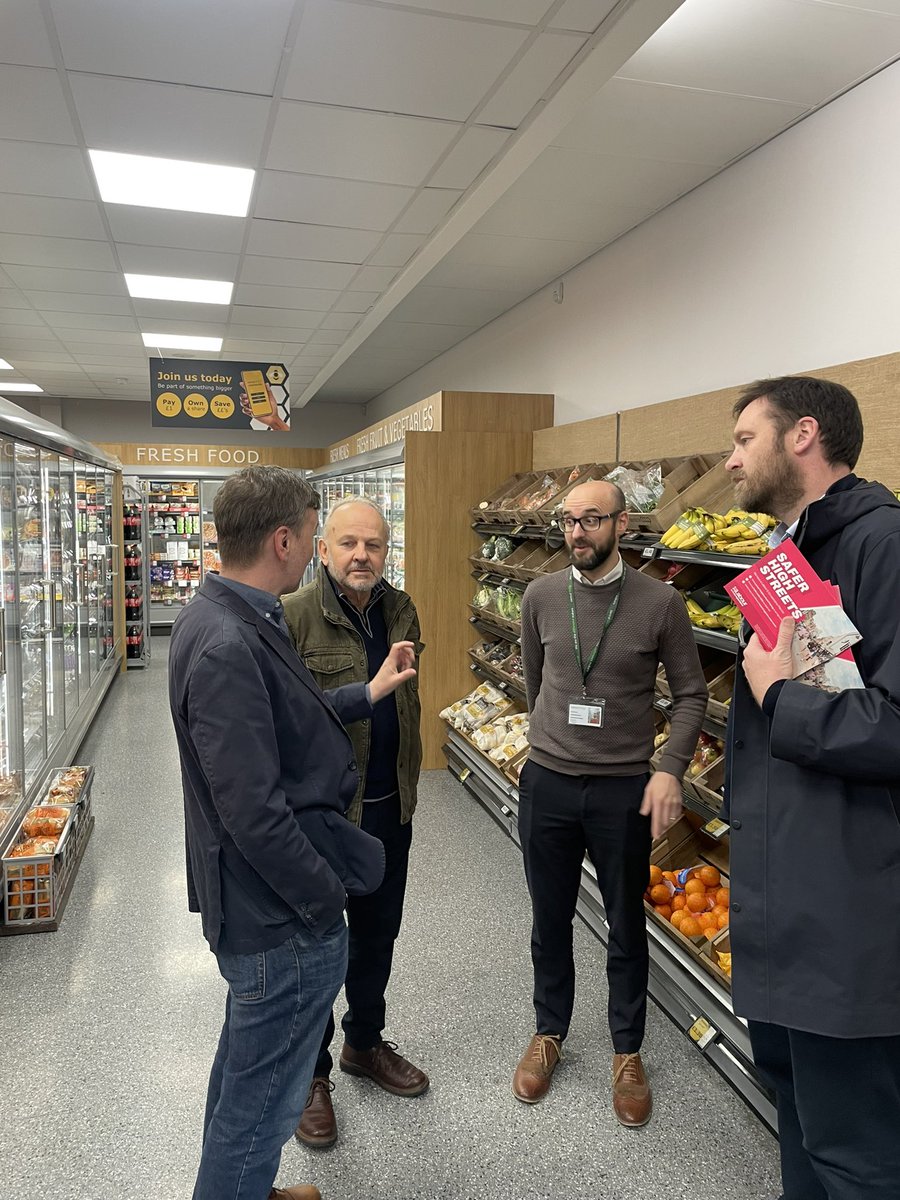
[{"x": 693, "y": 904}]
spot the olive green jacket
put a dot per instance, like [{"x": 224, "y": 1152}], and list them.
[{"x": 334, "y": 653}]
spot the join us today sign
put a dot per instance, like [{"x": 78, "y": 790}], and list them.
[{"x": 214, "y": 394}]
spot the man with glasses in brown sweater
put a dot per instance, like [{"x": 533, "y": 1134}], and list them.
[{"x": 592, "y": 640}]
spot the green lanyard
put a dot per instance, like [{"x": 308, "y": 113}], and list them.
[{"x": 576, "y": 641}]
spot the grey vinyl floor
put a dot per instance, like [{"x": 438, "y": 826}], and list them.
[{"x": 108, "y": 1027}]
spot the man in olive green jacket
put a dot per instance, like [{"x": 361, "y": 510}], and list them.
[{"x": 341, "y": 624}]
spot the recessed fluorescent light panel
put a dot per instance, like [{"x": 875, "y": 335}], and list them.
[
  {"x": 178, "y": 341},
  {"x": 20, "y": 387},
  {"x": 169, "y": 287},
  {"x": 172, "y": 183},
  {"x": 4, "y": 365}
]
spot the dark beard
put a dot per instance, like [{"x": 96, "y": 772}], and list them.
[
  {"x": 598, "y": 555},
  {"x": 777, "y": 493}
]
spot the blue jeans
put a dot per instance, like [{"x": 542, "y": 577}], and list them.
[{"x": 278, "y": 1003}]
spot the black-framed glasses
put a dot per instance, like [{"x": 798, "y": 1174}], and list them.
[{"x": 590, "y": 522}]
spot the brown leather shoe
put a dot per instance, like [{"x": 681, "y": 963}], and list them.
[
  {"x": 531, "y": 1081},
  {"x": 305, "y": 1192},
  {"x": 632, "y": 1098},
  {"x": 318, "y": 1125},
  {"x": 386, "y": 1067}
]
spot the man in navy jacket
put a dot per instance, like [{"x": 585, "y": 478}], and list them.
[
  {"x": 268, "y": 773},
  {"x": 814, "y": 803}
]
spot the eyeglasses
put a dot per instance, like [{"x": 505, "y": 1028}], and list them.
[{"x": 589, "y": 523}]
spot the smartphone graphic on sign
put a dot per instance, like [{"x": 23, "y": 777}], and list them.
[{"x": 257, "y": 393}]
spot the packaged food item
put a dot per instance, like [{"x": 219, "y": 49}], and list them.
[
  {"x": 642, "y": 489},
  {"x": 541, "y": 495},
  {"x": 45, "y": 820},
  {"x": 66, "y": 793}
]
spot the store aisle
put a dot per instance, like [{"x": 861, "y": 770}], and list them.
[{"x": 108, "y": 1027}]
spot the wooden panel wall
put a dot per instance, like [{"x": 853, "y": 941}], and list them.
[
  {"x": 593, "y": 440},
  {"x": 496, "y": 412},
  {"x": 446, "y": 473}
]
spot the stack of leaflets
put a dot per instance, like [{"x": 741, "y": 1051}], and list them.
[{"x": 783, "y": 584}]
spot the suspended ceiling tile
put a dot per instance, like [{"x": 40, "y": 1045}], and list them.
[
  {"x": 66, "y": 320},
  {"x": 83, "y": 341},
  {"x": 328, "y": 243},
  {"x": 49, "y": 361},
  {"x": 584, "y": 15},
  {"x": 317, "y": 200},
  {"x": 291, "y": 318},
  {"x": 183, "y": 264},
  {"x": 37, "y": 169},
  {"x": 469, "y": 157},
  {"x": 11, "y": 333},
  {"x": 136, "y": 117},
  {"x": 40, "y": 251},
  {"x": 278, "y": 333},
  {"x": 427, "y": 210},
  {"x": 327, "y": 337},
  {"x": 315, "y": 299},
  {"x": 397, "y": 61},
  {"x": 31, "y": 342},
  {"x": 340, "y": 320},
  {"x": 23, "y": 35},
  {"x": 314, "y": 357},
  {"x": 454, "y": 306},
  {"x": 51, "y": 216},
  {"x": 355, "y": 302},
  {"x": 530, "y": 78},
  {"x": 396, "y": 250},
  {"x": 55, "y": 301},
  {"x": 12, "y": 298},
  {"x": 174, "y": 42},
  {"x": 188, "y": 324},
  {"x": 527, "y": 12},
  {"x": 158, "y": 315},
  {"x": 94, "y": 283},
  {"x": 33, "y": 107},
  {"x": 295, "y": 272},
  {"x": 649, "y": 120},
  {"x": 185, "y": 231},
  {"x": 262, "y": 351},
  {"x": 19, "y": 317},
  {"x": 799, "y": 52},
  {"x": 374, "y": 278},
  {"x": 353, "y": 144}
]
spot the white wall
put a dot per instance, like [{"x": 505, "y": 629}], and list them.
[
  {"x": 129, "y": 421},
  {"x": 787, "y": 261}
]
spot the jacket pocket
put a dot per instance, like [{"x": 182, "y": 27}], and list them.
[
  {"x": 356, "y": 857},
  {"x": 330, "y": 668}
]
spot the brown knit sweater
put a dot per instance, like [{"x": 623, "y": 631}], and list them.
[{"x": 650, "y": 627}]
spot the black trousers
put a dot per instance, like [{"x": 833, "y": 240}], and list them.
[
  {"x": 562, "y": 817},
  {"x": 838, "y": 1105},
  {"x": 373, "y": 923}
]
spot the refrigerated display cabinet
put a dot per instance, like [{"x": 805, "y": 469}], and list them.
[
  {"x": 136, "y": 559},
  {"x": 384, "y": 483},
  {"x": 60, "y": 640}
]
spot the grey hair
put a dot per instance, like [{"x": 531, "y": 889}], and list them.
[{"x": 348, "y": 500}]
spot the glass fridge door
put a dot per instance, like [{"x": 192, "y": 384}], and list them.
[
  {"x": 10, "y": 684},
  {"x": 51, "y": 521},
  {"x": 209, "y": 537},
  {"x": 92, "y": 571},
  {"x": 82, "y": 589},
  {"x": 108, "y": 544},
  {"x": 70, "y": 584},
  {"x": 396, "y": 564},
  {"x": 33, "y": 596}
]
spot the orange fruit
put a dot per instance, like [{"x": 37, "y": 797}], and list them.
[
  {"x": 656, "y": 875},
  {"x": 671, "y": 876},
  {"x": 723, "y": 897},
  {"x": 710, "y": 877},
  {"x": 663, "y": 910},
  {"x": 710, "y": 901},
  {"x": 659, "y": 894},
  {"x": 722, "y": 921},
  {"x": 694, "y": 887},
  {"x": 679, "y": 900},
  {"x": 677, "y": 917},
  {"x": 717, "y": 910},
  {"x": 690, "y": 927},
  {"x": 706, "y": 921},
  {"x": 711, "y": 931},
  {"x": 696, "y": 903}
]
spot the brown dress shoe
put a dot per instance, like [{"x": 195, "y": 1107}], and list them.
[
  {"x": 632, "y": 1098},
  {"x": 305, "y": 1192},
  {"x": 531, "y": 1081},
  {"x": 318, "y": 1126},
  {"x": 386, "y": 1067}
]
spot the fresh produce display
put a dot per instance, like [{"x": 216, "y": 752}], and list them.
[
  {"x": 496, "y": 549},
  {"x": 642, "y": 488},
  {"x": 513, "y": 667},
  {"x": 505, "y": 601},
  {"x": 735, "y": 532},
  {"x": 503, "y": 738},
  {"x": 719, "y": 614},
  {"x": 492, "y": 652},
  {"x": 541, "y": 495},
  {"x": 480, "y": 706},
  {"x": 709, "y": 750},
  {"x": 693, "y": 899}
]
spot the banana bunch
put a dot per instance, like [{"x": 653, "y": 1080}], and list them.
[
  {"x": 743, "y": 532},
  {"x": 693, "y": 529},
  {"x": 727, "y": 617}
]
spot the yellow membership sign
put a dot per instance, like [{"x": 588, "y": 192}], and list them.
[{"x": 190, "y": 392}]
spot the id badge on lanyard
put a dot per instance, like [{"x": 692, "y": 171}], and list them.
[{"x": 588, "y": 710}]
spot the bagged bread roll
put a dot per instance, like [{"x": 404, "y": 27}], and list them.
[{"x": 45, "y": 820}]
